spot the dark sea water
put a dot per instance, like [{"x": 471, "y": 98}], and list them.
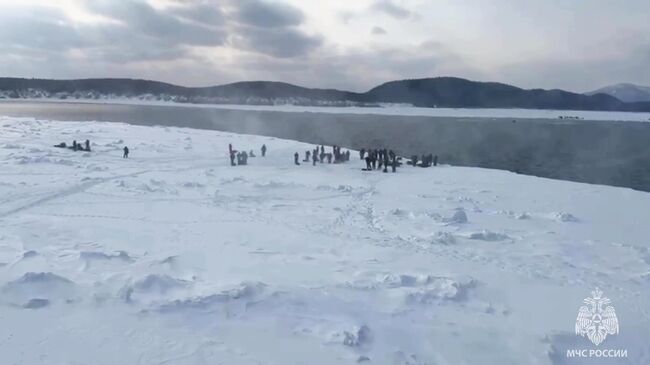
[{"x": 602, "y": 152}]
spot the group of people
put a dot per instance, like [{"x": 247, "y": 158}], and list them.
[
  {"x": 376, "y": 158},
  {"x": 86, "y": 147},
  {"x": 318, "y": 154},
  {"x": 75, "y": 146},
  {"x": 426, "y": 160},
  {"x": 242, "y": 156}
]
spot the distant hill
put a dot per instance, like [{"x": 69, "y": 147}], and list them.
[
  {"x": 460, "y": 93},
  {"x": 628, "y": 93},
  {"x": 432, "y": 92}
]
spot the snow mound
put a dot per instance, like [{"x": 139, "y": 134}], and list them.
[
  {"x": 486, "y": 235},
  {"x": 29, "y": 254},
  {"x": 440, "y": 290},
  {"x": 564, "y": 217},
  {"x": 160, "y": 284},
  {"x": 514, "y": 215},
  {"x": 233, "y": 180},
  {"x": 459, "y": 217},
  {"x": 26, "y": 160},
  {"x": 402, "y": 213},
  {"x": 96, "y": 259},
  {"x": 405, "y": 280},
  {"x": 36, "y": 303},
  {"x": 43, "y": 285},
  {"x": 356, "y": 337},
  {"x": 154, "y": 186},
  {"x": 12, "y": 146},
  {"x": 276, "y": 185},
  {"x": 245, "y": 292},
  {"x": 100, "y": 256},
  {"x": 523, "y": 216},
  {"x": 192, "y": 185},
  {"x": 443, "y": 238}
]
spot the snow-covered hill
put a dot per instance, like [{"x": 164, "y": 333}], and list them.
[
  {"x": 628, "y": 93},
  {"x": 174, "y": 257}
]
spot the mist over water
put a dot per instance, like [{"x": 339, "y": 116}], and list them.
[{"x": 601, "y": 152}]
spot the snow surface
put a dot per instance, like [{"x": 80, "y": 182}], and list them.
[
  {"x": 174, "y": 257},
  {"x": 384, "y": 109}
]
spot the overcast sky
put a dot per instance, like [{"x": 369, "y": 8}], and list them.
[{"x": 576, "y": 45}]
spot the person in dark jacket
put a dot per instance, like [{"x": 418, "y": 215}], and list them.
[
  {"x": 307, "y": 156},
  {"x": 296, "y": 156},
  {"x": 126, "y": 152},
  {"x": 232, "y": 158},
  {"x": 385, "y": 161},
  {"x": 87, "y": 146},
  {"x": 314, "y": 157},
  {"x": 414, "y": 160},
  {"x": 362, "y": 153},
  {"x": 263, "y": 150}
]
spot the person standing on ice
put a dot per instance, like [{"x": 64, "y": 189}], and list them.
[
  {"x": 296, "y": 156},
  {"x": 361, "y": 153},
  {"x": 126, "y": 152},
  {"x": 314, "y": 157},
  {"x": 263, "y": 150},
  {"x": 232, "y": 158},
  {"x": 385, "y": 154},
  {"x": 307, "y": 156},
  {"x": 87, "y": 146}
]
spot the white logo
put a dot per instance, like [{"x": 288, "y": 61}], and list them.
[{"x": 596, "y": 319}]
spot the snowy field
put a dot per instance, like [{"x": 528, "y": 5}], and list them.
[
  {"x": 386, "y": 109},
  {"x": 174, "y": 257}
]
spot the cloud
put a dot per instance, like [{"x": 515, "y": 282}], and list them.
[
  {"x": 271, "y": 29},
  {"x": 335, "y": 43},
  {"x": 206, "y": 14},
  {"x": 580, "y": 75},
  {"x": 259, "y": 13},
  {"x": 357, "y": 69},
  {"x": 388, "y": 7},
  {"x": 140, "y": 17},
  {"x": 378, "y": 31},
  {"x": 276, "y": 42},
  {"x": 36, "y": 29}
]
